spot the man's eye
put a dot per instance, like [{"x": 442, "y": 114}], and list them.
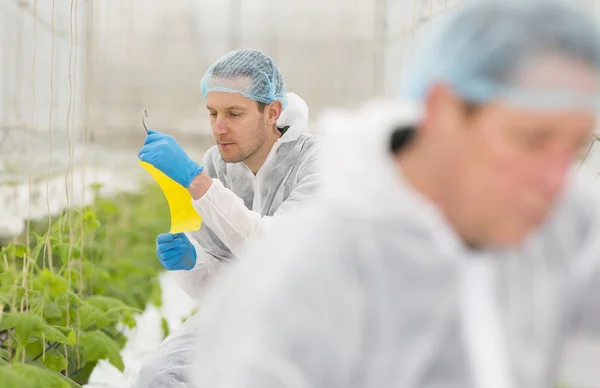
[
  {"x": 213, "y": 115},
  {"x": 235, "y": 114}
]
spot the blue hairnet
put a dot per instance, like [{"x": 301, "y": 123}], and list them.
[
  {"x": 251, "y": 73},
  {"x": 482, "y": 46}
]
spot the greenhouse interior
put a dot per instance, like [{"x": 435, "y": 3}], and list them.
[{"x": 86, "y": 301}]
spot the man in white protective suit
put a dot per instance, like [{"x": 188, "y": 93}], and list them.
[
  {"x": 452, "y": 245},
  {"x": 263, "y": 165}
]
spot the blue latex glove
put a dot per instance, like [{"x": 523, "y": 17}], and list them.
[
  {"x": 175, "y": 251},
  {"x": 163, "y": 152}
]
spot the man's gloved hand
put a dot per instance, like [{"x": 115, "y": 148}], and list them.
[
  {"x": 175, "y": 251},
  {"x": 163, "y": 152}
]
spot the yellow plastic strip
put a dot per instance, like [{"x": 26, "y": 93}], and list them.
[{"x": 184, "y": 218}]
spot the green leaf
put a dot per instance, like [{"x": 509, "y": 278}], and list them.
[
  {"x": 106, "y": 303},
  {"x": 129, "y": 321},
  {"x": 68, "y": 332},
  {"x": 95, "y": 187},
  {"x": 89, "y": 220},
  {"x": 74, "y": 299},
  {"x": 9, "y": 378},
  {"x": 90, "y": 316},
  {"x": 8, "y": 279},
  {"x": 108, "y": 206},
  {"x": 16, "y": 250},
  {"x": 114, "y": 309},
  {"x": 18, "y": 293},
  {"x": 53, "y": 334},
  {"x": 51, "y": 283},
  {"x": 5, "y": 298},
  {"x": 83, "y": 374},
  {"x": 67, "y": 251},
  {"x": 34, "y": 347},
  {"x": 40, "y": 241},
  {"x": 99, "y": 346},
  {"x": 72, "y": 336},
  {"x": 54, "y": 361},
  {"x": 52, "y": 310},
  {"x": 26, "y": 325},
  {"x": 40, "y": 377}
]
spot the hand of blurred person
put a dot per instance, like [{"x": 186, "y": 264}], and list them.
[
  {"x": 175, "y": 251},
  {"x": 164, "y": 153}
]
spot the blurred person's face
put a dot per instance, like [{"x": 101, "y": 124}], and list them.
[
  {"x": 503, "y": 168},
  {"x": 243, "y": 131}
]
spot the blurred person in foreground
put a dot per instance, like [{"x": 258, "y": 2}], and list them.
[
  {"x": 263, "y": 165},
  {"x": 452, "y": 245}
]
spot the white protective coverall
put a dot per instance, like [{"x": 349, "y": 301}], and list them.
[
  {"x": 370, "y": 286},
  {"x": 238, "y": 207}
]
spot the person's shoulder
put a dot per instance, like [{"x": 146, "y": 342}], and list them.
[
  {"x": 310, "y": 146},
  {"x": 310, "y": 140}
]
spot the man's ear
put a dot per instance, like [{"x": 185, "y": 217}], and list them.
[
  {"x": 274, "y": 111},
  {"x": 441, "y": 105}
]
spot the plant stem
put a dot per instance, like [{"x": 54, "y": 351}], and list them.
[{"x": 17, "y": 357}]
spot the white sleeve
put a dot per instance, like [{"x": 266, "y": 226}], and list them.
[
  {"x": 234, "y": 224},
  {"x": 228, "y": 217},
  {"x": 196, "y": 280}
]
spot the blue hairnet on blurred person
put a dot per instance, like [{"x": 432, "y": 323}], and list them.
[
  {"x": 515, "y": 62},
  {"x": 452, "y": 245},
  {"x": 263, "y": 165}
]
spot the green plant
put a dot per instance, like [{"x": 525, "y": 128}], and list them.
[{"x": 69, "y": 289}]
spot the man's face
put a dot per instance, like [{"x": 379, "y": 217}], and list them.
[
  {"x": 238, "y": 125},
  {"x": 504, "y": 167}
]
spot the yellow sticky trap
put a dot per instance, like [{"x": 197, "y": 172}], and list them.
[{"x": 184, "y": 218}]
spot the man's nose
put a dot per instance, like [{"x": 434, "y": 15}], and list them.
[{"x": 220, "y": 126}]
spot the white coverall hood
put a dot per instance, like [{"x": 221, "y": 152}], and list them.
[
  {"x": 371, "y": 184},
  {"x": 295, "y": 115}
]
